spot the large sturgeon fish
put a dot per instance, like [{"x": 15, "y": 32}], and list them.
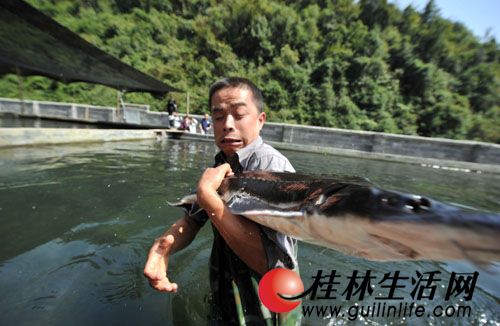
[{"x": 358, "y": 218}]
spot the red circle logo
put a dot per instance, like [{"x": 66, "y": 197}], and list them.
[{"x": 280, "y": 281}]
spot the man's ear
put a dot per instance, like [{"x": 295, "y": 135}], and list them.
[{"x": 262, "y": 119}]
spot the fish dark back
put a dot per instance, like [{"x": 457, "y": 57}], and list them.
[
  {"x": 283, "y": 187},
  {"x": 336, "y": 195}
]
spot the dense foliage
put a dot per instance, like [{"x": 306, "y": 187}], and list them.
[{"x": 339, "y": 63}]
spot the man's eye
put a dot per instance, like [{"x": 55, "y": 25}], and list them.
[{"x": 218, "y": 118}]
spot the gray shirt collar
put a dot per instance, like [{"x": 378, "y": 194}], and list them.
[{"x": 245, "y": 152}]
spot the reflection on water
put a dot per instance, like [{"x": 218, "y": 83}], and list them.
[{"x": 76, "y": 223}]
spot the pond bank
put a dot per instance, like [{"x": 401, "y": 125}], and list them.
[
  {"x": 13, "y": 137},
  {"x": 437, "y": 152}
]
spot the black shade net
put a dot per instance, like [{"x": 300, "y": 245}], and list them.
[{"x": 32, "y": 43}]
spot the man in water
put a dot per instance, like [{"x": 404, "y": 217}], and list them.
[{"x": 242, "y": 250}]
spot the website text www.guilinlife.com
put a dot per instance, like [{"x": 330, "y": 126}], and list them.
[{"x": 385, "y": 310}]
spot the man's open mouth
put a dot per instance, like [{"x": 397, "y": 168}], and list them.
[{"x": 231, "y": 141}]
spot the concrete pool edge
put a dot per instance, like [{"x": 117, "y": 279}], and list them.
[
  {"x": 414, "y": 160},
  {"x": 15, "y": 137}
]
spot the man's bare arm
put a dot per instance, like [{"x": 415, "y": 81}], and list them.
[{"x": 183, "y": 231}]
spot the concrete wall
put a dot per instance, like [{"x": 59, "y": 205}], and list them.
[
  {"x": 374, "y": 142},
  {"x": 10, "y": 137},
  {"x": 132, "y": 114},
  {"x": 342, "y": 141}
]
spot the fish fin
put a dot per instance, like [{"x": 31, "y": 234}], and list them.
[
  {"x": 399, "y": 247},
  {"x": 480, "y": 257},
  {"x": 188, "y": 204}
]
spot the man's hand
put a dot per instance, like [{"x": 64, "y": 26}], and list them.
[
  {"x": 209, "y": 182},
  {"x": 157, "y": 264},
  {"x": 241, "y": 235}
]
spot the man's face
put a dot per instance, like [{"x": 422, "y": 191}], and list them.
[{"x": 236, "y": 120}]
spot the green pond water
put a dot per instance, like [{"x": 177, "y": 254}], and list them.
[{"x": 76, "y": 223}]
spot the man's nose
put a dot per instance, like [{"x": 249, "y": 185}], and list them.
[{"x": 229, "y": 123}]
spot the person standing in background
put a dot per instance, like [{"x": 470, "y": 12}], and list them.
[
  {"x": 205, "y": 124},
  {"x": 171, "y": 107},
  {"x": 193, "y": 125}
]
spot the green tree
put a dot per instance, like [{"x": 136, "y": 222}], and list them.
[{"x": 349, "y": 64}]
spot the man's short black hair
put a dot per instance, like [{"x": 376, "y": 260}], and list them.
[{"x": 237, "y": 82}]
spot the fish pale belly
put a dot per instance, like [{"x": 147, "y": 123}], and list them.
[
  {"x": 374, "y": 240},
  {"x": 338, "y": 233},
  {"x": 434, "y": 241},
  {"x": 384, "y": 241}
]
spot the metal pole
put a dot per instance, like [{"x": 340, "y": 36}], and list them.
[
  {"x": 117, "y": 105},
  {"x": 21, "y": 88},
  {"x": 187, "y": 103}
]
